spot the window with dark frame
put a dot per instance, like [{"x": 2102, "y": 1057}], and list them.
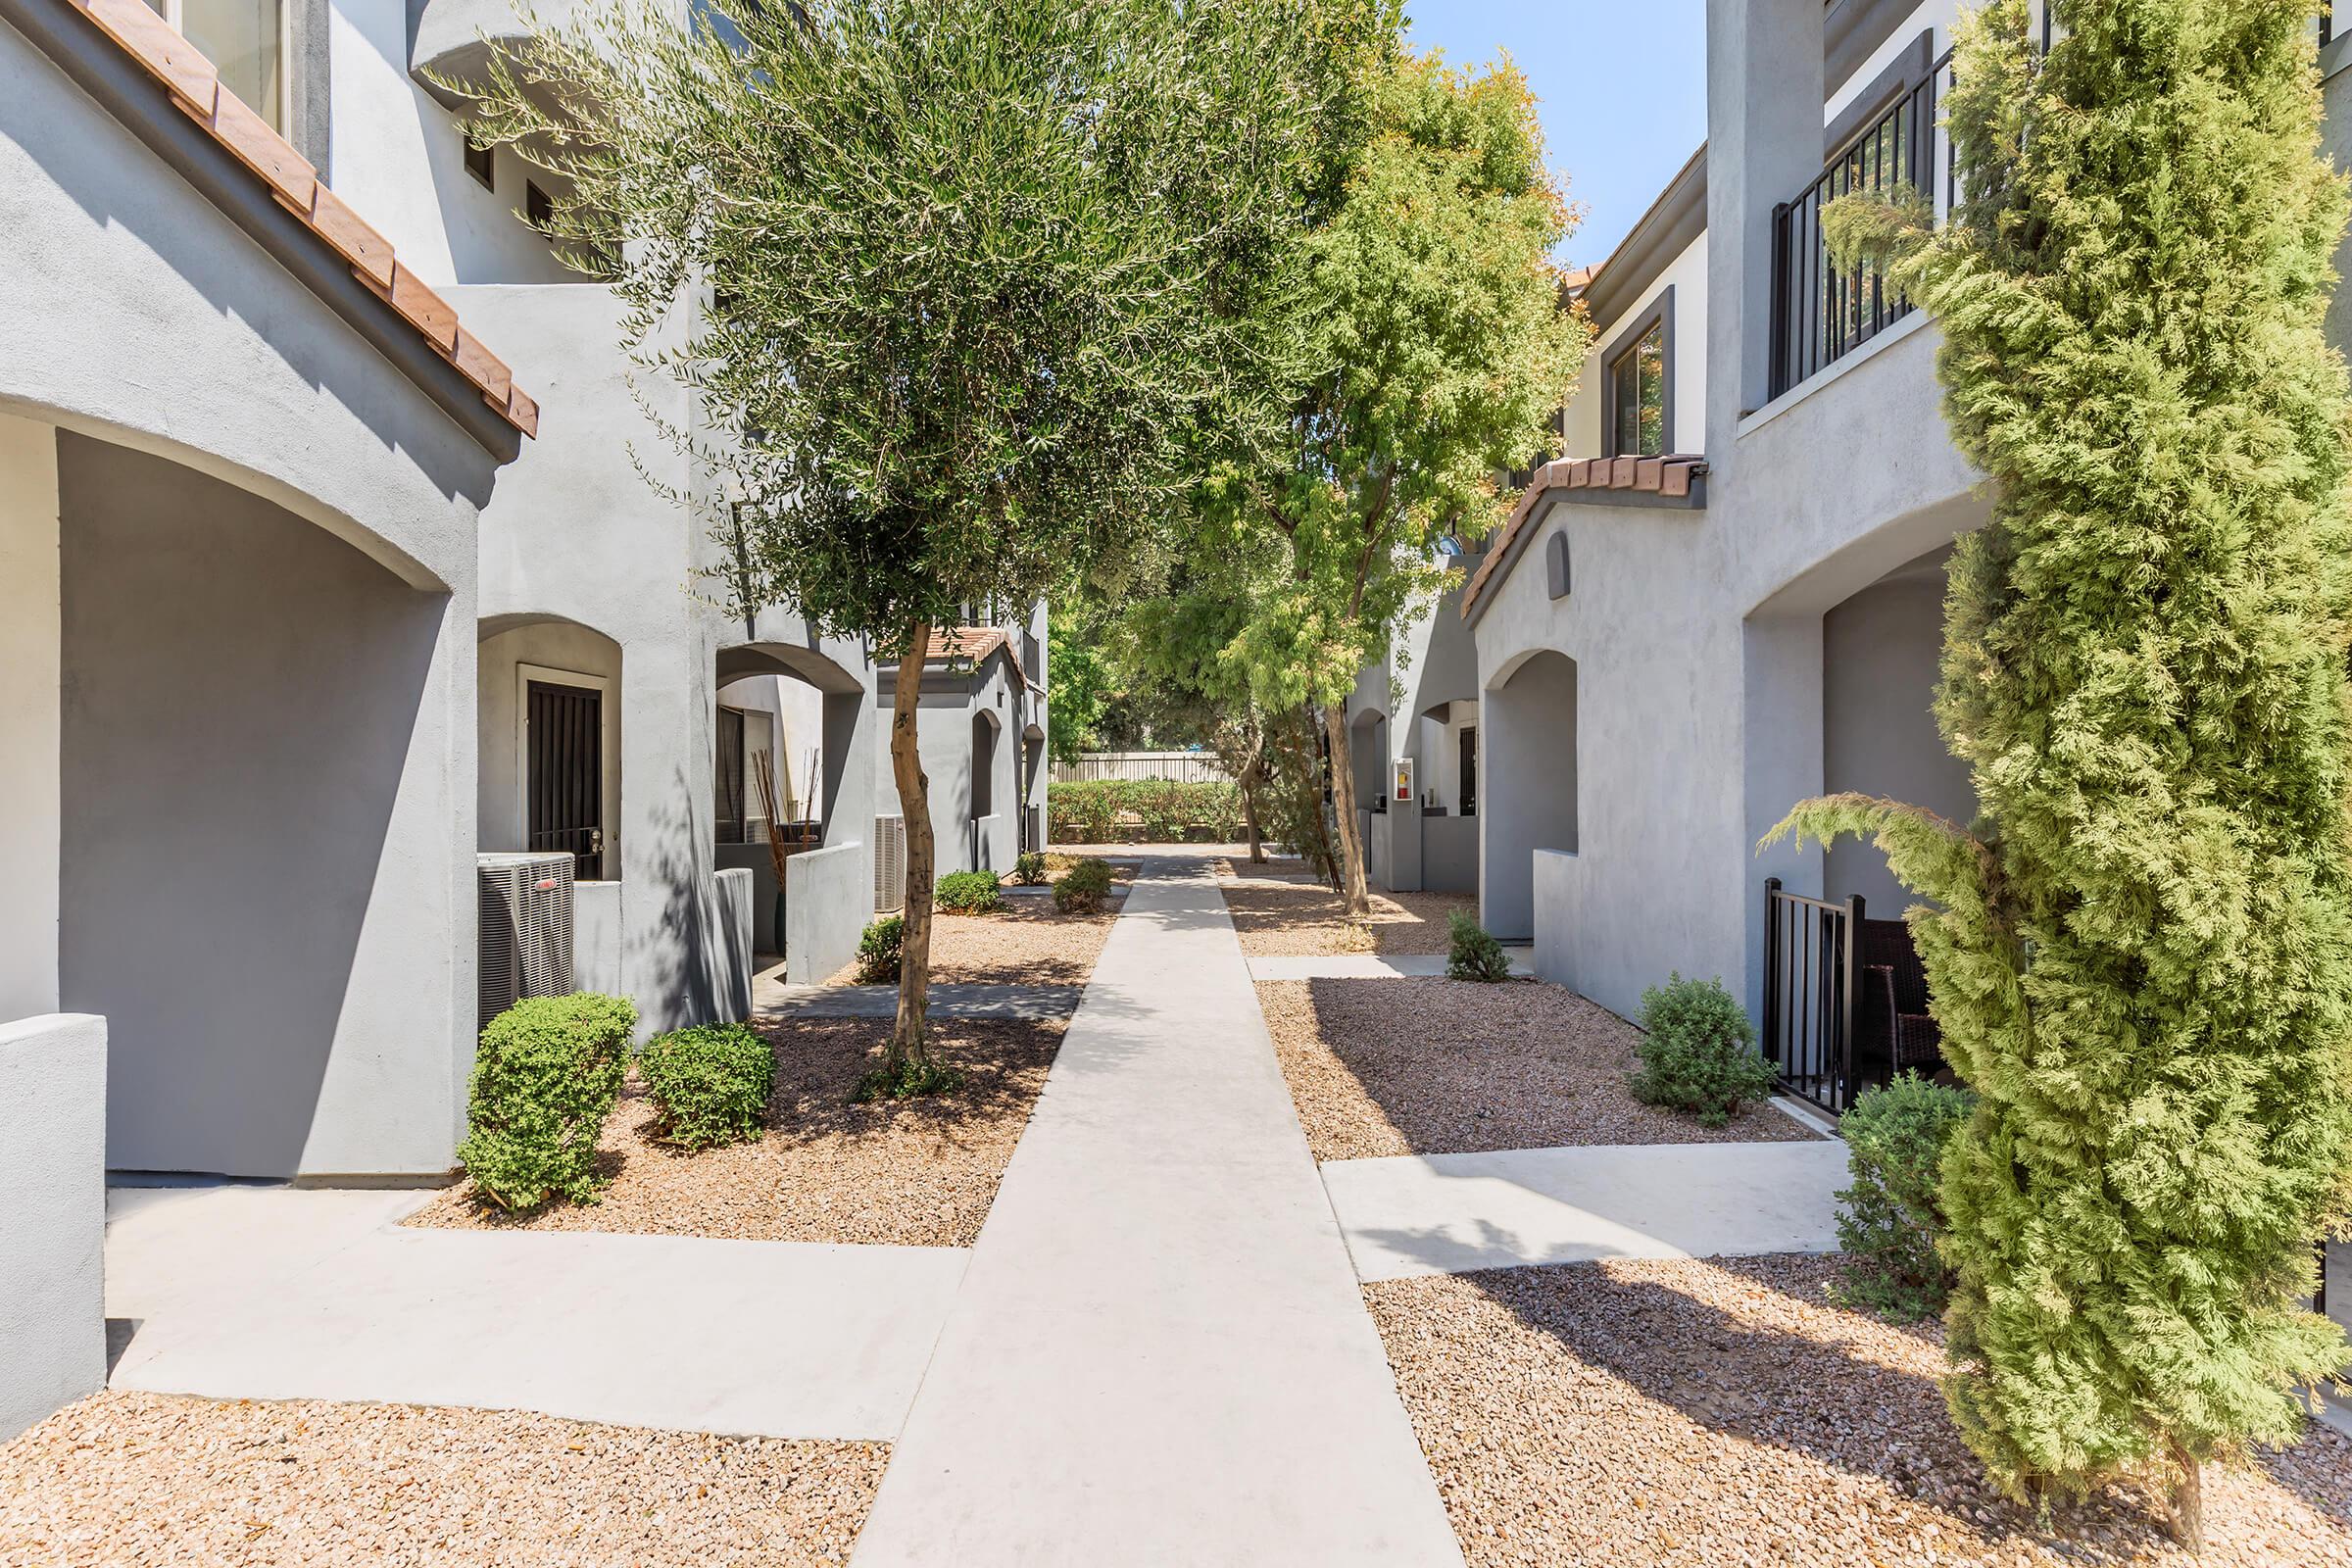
[
  {"x": 1638, "y": 396},
  {"x": 482, "y": 164},
  {"x": 536, "y": 207}
]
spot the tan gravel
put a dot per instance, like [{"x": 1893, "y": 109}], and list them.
[
  {"x": 1430, "y": 1066},
  {"x": 1687, "y": 1412},
  {"x": 915, "y": 1173},
  {"x": 161, "y": 1479},
  {"x": 1290, "y": 920},
  {"x": 1026, "y": 943}
]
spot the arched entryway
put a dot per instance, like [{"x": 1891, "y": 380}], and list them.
[
  {"x": 1527, "y": 786},
  {"x": 980, "y": 791},
  {"x": 250, "y": 827},
  {"x": 548, "y": 699}
]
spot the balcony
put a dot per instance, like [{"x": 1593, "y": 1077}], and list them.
[{"x": 1821, "y": 312}]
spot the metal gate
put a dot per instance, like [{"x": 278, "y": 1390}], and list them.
[
  {"x": 1809, "y": 990},
  {"x": 565, "y": 787}
]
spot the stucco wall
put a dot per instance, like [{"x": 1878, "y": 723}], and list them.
[
  {"x": 944, "y": 730},
  {"x": 30, "y": 683},
  {"x": 52, "y": 1213},
  {"x": 1879, "y": 656},
  {"x": 266, "y": 738},
  {"x": 399, "y": 159},
  {"x": 1686, "y": 331}
]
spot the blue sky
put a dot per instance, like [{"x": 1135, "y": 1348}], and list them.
[{"x": 1623, "y": 84}]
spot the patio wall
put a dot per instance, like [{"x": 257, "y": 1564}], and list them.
[{"x": 53, "y": 1214}]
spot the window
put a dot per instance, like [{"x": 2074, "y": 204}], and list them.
[
  {"x": 536, "y": 207},
  {"x": 1638, "y": 396},
  {"x": 246, "y": 42},
  {"x": 1639, "y": 372},
  {"x": 481, "y": 163}
]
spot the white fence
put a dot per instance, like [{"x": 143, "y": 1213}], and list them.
[{"x": 1184, "y": 767}]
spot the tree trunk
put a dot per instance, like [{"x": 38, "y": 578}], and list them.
[
  {"x": 1353, "y": 885},
  {"x": 2188, "y": 1499},
  {"x": 1249, "y": 782},
  {"x": 907, "y": 1042}
]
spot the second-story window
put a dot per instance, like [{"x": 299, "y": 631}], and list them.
[
  {"x": 1638, "y": 410},
  {"x": 246, "y": 42},
  {"x": 481, "y": 162}
]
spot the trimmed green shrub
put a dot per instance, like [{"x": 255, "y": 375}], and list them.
[
  {"x": 545, "y": 1076},
  {"x": 1143, "y": 810},
  {"x": 1698, "y": 1052},
  {"x": 1029, "y": 870},
  {"x": 1082, "y": 887},
  {"x": 969, "y": 892},
  {"x": 1893, "y": 1214},
  {"x": 1471, "y": 954},
  {"x": 879, "y": 951},
  {"x": 710, "y": 1083}
]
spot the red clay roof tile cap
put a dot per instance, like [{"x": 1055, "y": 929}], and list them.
[{"x": 150, "y": 40}]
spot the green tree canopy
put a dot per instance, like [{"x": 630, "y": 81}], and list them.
[
  {"x": 2142, "y": 955},
  {"x": 974, "y": 276}
]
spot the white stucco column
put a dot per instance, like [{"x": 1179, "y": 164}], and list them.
[
  {"x": 32, "y": 678},
  {"x": 1764, "y": 140}
]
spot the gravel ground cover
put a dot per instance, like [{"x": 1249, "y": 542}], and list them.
[
  {"x": 1025, "y": 943},
  {"x": 915, "y": 1173},
  {"x": 144, "y": 1478},
  {"x": 1724, "y": 1413},
  {"x": 1292, "y": 919},
  {"x": 1432, "y": 1067},
  {"x": 1275, "y": 868},
  {"x": 1057, "y": 862}
]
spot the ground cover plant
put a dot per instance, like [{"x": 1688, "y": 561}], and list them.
[
  {"x": 1698, "y": 1052},
  {"x": 545, "y": 1075},
  {"x": 1889, "y": 1219},
  {"x": 2140, "y": 954},
  {"x": 710, "y": 1083}
]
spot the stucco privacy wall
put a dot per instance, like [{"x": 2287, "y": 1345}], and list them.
[
  {"x": 53, "y": 1214},
  {"x": 399, "y": 157},
  {"x": 30, "y": 682},
  {"x": 258, "y": 887},
  {"x": 944, "y": 731}
]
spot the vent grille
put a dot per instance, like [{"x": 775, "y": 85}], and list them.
[
  {"x": 890, "y": 863},
  {"x": 526, "y": 928}
]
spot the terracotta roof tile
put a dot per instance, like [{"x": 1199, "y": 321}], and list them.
[
  {"x": 1669, "y": 477},
  {"x": 181, "y": 69},
  {"x": 973, "y": 643}
]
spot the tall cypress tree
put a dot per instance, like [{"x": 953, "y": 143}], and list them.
[{"x": 2141, "y": 954}]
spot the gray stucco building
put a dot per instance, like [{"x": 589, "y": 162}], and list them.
[{"x": 306, "y": 593}]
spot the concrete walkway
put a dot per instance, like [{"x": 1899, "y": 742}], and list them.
[
  {"x": 1367, "y": 966},
  {"x": 1160, "y": 1354},
  {"x": 1451, "y": 1213},
  {"x": 271, "y": 1292}
]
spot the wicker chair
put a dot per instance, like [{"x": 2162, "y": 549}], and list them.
[{"x": 1893, "y": 1027}]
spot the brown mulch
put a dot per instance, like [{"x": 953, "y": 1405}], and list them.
[
  {"x": 1431, "y": 1066},
  {"x": 1026, "y": 942},
  {"x": 911, "y": 1172},
  {"x": 147, "y": 1478},
  {"x": 1645, "y": 1413},
  {"x": 1287, "y": 919}
]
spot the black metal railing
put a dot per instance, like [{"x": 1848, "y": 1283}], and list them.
[
  {"x": 1810, "y": 954},
  {"x": 1821, "y": 312}
]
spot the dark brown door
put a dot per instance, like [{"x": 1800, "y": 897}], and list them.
[
  {"x": 566, "y": 791},
  {"x": 1469, "y": 770}
]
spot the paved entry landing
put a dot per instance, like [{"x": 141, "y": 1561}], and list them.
[
  {"x": 1160, "y": 1354},
  {"x": 270, "y": 1293}
]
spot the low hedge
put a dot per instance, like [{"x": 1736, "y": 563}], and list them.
[
  {"x": 1472, "y": 952},
  {"x": 1698, "y": 1052},
  {"x": 710, "y": 1083},
  {"x": 545, "y": 1077},
  {"x": 1143, "y": 810},
  {"x": 1889, "y": 1219},
  {"x": 969, "y": 892},
  {"x": 1082, "y": 887},
  {"x": 879, "y": 951}
]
